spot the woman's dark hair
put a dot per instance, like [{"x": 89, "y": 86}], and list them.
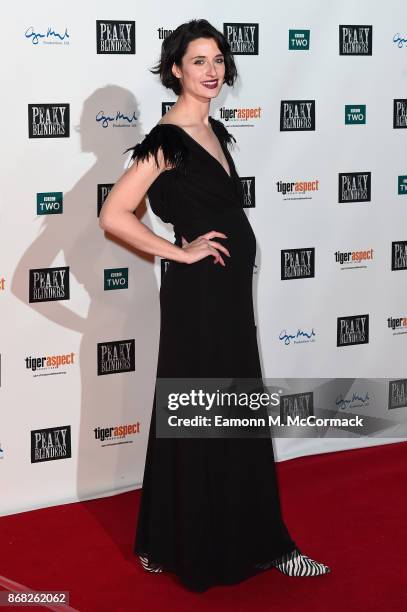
[{"x": 175, "y": 45}]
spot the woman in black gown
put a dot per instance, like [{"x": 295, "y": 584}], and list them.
[{"x": 210, "y": 509}]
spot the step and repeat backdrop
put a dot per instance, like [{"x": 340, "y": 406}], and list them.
[{"x": 319, "y": 113}]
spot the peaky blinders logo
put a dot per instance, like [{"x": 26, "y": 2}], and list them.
[
  {"x": 48, "y": 120},
  {"x": 355, "y": 39},
  {"x": 49, "y": 284},
  {"x": 397, "y": 393},
  {"x": 165, "y": 107},
  {"x": 297, "y": 115},
  {"x": 400, "y": 113},
  {"x": 50, "y": 444},
  {"x": 248, "y": 186},
  {"x": 399, "y": 255},
  {"x": 352, "y": 330},
  {"x": 296, "y": 405},
  {"x": 165, "y": 263},
  {"x": 243, "y": 38},
  {"x": 103, "y": 190},
  {"x": 115, "y": 37},
  {"x": 297, "y": 263},
  {"x": 114, "y": 357},
  {"x": 354, "y": 187}
]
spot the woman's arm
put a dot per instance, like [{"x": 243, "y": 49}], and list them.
[{"x": 117, "y": 218}]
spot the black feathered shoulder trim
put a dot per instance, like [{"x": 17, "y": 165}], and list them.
[
  {"x": 173, "y": 147},
  {"x": 222, "y": 132}
]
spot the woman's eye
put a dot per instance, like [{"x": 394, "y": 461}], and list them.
[{"x": 219, "y": 60}]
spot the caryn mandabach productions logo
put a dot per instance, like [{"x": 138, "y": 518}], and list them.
[
  {"x": 354, "y": 187},
  {"x": 51, "y": 444},
  {"x": 243, "y": 38},
  {"x": 117, "y": 119},
  {"x": 297, "y": 263},
  {"x": 49, "y": 284},
  {"x": 115, "y": 37},
  {"x": 115, "y": 356},
  {"x": 297, "y": 115},
  {"x": 355, "y": 39},
  {"x": 48, "y": 120},
  {"x": 47, "y": 36},
  {"x": 301, "y": 336},
  {"x": 352, "y": 330},
  {"x": 400, "y": 40},
  {"x": 399, "y": 255}
]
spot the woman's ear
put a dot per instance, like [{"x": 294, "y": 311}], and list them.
[{"x": 175, "y": 71}]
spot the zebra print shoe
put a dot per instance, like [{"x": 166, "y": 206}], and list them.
[
  {"x": 295, "y": 563},
  {"x": 153, "y": 567}
]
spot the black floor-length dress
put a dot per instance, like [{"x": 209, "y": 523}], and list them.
[{"x": 210, "y": 508}]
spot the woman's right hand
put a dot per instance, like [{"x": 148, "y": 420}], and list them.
[{"x": 203, "y": 246}]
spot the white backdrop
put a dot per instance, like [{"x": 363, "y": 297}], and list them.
[{"x": 51, "y": 61}]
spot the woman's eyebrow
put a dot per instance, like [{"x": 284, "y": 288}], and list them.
[{"x": 196, "y": 56}]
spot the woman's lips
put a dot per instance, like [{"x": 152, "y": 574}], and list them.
[{"x": 210, "y": 84}]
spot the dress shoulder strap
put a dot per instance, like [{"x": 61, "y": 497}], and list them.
[
  {"x": 222, "y": 132},
  {"x": 172, "y": 145}
]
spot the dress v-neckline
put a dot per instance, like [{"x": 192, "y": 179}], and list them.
[{"x": 229, "y": 176}]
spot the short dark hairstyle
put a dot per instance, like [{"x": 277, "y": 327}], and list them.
[{"x": 174, "y": 47}]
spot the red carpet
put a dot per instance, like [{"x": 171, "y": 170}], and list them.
[{"x": 347, "y": 509}]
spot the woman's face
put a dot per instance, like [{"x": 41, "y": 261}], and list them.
[{"x": 203, "y": 69}]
